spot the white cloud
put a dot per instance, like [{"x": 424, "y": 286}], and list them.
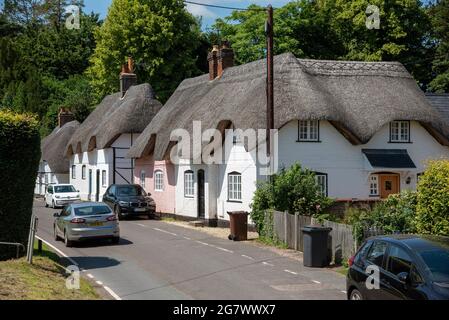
[{"x": 201, "y": 11}]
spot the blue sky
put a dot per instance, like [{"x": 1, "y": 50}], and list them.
[{"x": 208, "y": 14}]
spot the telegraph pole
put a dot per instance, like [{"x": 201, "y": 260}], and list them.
[{"x": 270, "y": 79}]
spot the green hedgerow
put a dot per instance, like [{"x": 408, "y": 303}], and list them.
[
  {"x": 19, "y": 161},
  {"x": 432, "y": 212}
]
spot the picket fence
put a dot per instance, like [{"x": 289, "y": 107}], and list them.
[{"x": 288, "y": 229}]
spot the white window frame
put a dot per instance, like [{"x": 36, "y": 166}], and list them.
[
  {"x": 309, "y": 130},
  {"x": 374, "y": 185},
  {"x": 158, "y": 180},
  {"x": 103, "y": 178},
  {"x": 143, "y": 176},
  {"x": 321, "y": 181},
  {"x": 73, "y": 171},
  {"x": 189, "y": 184},
  {"x": 235, "y": 186},
  {"x": 400, "y": 131},
  {"x": 83, "y": 172}
]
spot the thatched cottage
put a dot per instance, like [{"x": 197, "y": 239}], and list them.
[
  {"x": 365, "y": 128},
  {"x": 53, "y": 166},
  {"x": 97, "y": 149}
]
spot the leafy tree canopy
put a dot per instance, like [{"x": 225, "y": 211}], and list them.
[{"x": 160, "y": 35}]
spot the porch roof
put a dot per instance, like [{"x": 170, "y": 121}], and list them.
[{"x": 389, "y": 158}]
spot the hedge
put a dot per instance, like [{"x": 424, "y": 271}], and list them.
[
  {"x": 19, "y": 162},
  {"x": 432, "y": 212}
]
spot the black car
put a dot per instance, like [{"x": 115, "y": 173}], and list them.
[
  {"x": 410, "y": 267},
  {"x": 129, "y": 200}
]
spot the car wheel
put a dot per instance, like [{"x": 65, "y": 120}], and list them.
[
  {"x": 68, "y": 243},
  {"x": 355, "y": 295},
  {"x": 118, "y": 212},
  {"x": 55, "y": 234},
  {"x": 115, "y": 240},
  {"x": 46, "y": 204}
]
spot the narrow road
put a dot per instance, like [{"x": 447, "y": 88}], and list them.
[{"x": 155, "y": 260}]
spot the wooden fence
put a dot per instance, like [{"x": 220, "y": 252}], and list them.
[{"x": 288, "y": 229}]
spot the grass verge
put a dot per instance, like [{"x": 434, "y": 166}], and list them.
[{"x": 43, "y": 280}]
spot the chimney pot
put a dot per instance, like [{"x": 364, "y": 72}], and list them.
[
  {"x": 127, "y": 77},
  {"x": 64, "y": 117},
  {"x": 212, "y": 58},
  {"x": 225, "y": 58}
]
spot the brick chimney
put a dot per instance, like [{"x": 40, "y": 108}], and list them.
[
  {"x": 225, "y": 58},
  {"x": 65, "y": 116},
  {"x": 212, "y": 58},
  {"x": 127, "y": 77}
]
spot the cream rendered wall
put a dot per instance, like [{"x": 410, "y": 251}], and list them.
[
  {"x": 46, "y": 176},
  {"x": 347, "y": 168}
]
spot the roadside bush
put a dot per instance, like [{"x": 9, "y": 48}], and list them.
[
  {"x": 19, "y": 161},
  {"x": 432, "y": 214},
  {"x": 293, "y": 190},
  {"x": 394, "y": 215}
]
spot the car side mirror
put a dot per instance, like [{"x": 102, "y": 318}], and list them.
[{"x": 404, "y": 277}]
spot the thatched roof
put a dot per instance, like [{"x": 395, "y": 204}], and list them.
[
  {"x": 358, "y": 98},
  {"x": 440, "y": 101},
  {"x": 115, "y": 116},
  {"x": 54, "y": 145}
]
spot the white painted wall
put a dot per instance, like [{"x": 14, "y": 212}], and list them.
[
  {"x": 347, "y": 168},
  {"x": 46, "y": 176},
  {"x": 99, "y": 161}
]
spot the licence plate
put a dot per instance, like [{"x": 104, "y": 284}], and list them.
[
  {"x": 96, "y": 224},
  {"x": 139, "y": 210}
]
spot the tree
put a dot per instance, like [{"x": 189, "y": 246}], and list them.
[
  {"x": 160, "y": 35},
  {"x": 336, "y": 29},
  {"x": 440, "y": 19}
]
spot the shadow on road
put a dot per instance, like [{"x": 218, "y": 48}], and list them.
[
  {"x": 95, "y": 262},
  {"x": 94, "y": 243}
]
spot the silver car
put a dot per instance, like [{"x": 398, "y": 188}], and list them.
[{"x": 83, "y": 221}]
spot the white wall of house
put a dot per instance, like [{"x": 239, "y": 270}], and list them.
[
  {"x": 47, "y": 176},
  {"x": 346, "y": 166},
  {"x": 217, "y": 202},
  {"x": 101, "y": 162}
]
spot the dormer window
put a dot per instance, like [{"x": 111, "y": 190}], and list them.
[
  {"x": 308, "y": 131},
  {"x": 400, "y": 131}
]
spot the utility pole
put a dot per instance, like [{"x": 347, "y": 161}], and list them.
[{"x": 270, "y": 79}]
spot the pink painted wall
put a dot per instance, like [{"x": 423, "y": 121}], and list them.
[{"x": 165, "y": 200}]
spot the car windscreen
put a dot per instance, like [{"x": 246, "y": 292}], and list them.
[
  {"x": 92, "y": 210},
  {"x": 64, "y": 189},
  {"x": 130, "y": 191},
  {"x": 437, "y": 260}
]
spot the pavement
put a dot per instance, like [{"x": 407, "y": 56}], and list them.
[{"x": 159, "y": 261}]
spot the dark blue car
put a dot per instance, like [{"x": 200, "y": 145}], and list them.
[{"x": 408, "y": 267}]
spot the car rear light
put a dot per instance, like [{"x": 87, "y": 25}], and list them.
[
  {"x": 78, "y": 220},
  {"x": 112, "y": 218},
  {"x": 351, "y": 261}
]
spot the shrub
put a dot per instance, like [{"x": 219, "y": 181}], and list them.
[
  {"x": 432, "y": 214},
  {"x": 293, "y": 190},
  {"x": 396, "y": 214},
  {"x": 19, "y": 161}
]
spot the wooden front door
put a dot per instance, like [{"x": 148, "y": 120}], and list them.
[{"x": 389, "y": 184}]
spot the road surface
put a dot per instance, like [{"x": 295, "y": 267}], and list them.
[{"x": 156, "y": 260}]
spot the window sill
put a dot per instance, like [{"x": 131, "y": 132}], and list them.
[
  {"x": 235, "y": 201},
  {"x": 158, "y": 190},
  {"x": 309, "y": 141},
  {"x": 396, "y": 142},
  {"x": 189, "y": 197}
]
